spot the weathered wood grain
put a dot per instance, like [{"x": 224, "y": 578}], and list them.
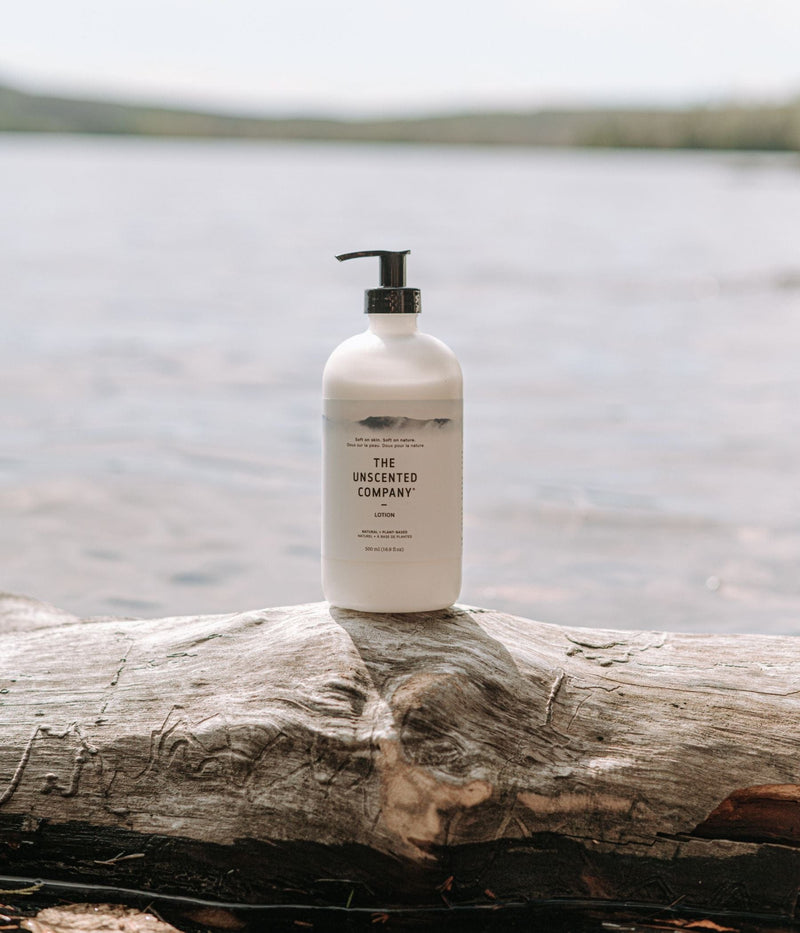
[
  {"x": 95, "y": 918},
  {"x": 291, "y": 754}
]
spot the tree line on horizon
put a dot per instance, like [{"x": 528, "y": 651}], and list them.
[{"x": 766, "y": 127}]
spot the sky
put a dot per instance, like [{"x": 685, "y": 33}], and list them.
[{"x": 372, "y": 57}]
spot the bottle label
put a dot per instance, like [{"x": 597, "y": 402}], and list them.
[{"x": 392, "y": 487}]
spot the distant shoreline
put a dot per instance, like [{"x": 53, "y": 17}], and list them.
[{"x": 731, "y": 127}]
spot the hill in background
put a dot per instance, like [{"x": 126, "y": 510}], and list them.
[{"x": 773, "y": 127}]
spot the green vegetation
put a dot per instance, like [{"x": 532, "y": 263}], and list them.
[{"x": 773, "y": 127}]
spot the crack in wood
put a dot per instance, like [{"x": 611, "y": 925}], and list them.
[
  {"x": 85, "y": 751},
  {"x": 593, "y": 649},
  {"x": 115, "y": 679},
  {"x": 158, "y": 739},
  {"x": 52, "y": 784},
  {"x": 551, "y": 698},
  {"x": 13, "y": 784}
]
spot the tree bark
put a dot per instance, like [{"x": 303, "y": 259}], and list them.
[{"x": 292, "y": 755}]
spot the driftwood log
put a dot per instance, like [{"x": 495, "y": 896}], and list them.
[{"x": 308, "y": 755}]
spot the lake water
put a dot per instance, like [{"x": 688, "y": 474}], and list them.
[{"x": 628, "y": 324}]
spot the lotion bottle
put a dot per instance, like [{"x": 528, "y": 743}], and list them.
[{"x": 392, "y": 458}]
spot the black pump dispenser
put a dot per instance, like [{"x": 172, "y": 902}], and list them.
[{"x": 393, "y": 297}]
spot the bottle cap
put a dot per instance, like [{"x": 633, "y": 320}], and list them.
[{"x": 393, "y": 297}]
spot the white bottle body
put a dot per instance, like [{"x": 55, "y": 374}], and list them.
[{"x": 392, "y": 470}]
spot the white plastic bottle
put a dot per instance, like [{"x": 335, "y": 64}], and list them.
[{"x": 392, "y": 458}]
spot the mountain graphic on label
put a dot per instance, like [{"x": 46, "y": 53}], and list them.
[{"x": 400, "y": 423}]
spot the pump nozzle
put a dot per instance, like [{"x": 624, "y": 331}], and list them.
[
  {"x": 392, "y": 297},
  {"x": 393, "y": 265}
]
